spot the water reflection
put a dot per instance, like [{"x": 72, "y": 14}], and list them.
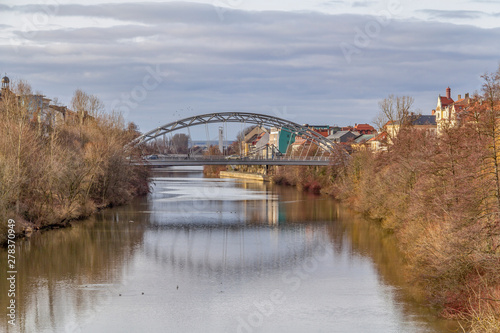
[
  {"x": 210, "y": 255},
  {"x": 54, "y": 268}
]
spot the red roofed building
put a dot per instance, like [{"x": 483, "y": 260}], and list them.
[
  {"x": 444, "y": 101},
  {"x": 364, "y": 129},
  {"x": 447, "y": 109},
  {"x": 379, "y": 142}
]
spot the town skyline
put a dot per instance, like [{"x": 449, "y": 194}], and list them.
[{"x": 159, "y": 62}]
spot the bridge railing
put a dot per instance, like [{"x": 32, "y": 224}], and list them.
[{"x": 242, "y": 158}]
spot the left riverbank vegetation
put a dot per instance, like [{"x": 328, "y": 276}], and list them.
[
  {"x": 57, "y": 164},
  {"x": 440, "y": 195}
]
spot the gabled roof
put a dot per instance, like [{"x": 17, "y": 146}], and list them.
[
  {"x": 425, "y": 120},
  {"x": 252, "y": 139},
  {"x": 340, "y": 134},
  {"x": 364, "y": 138},
  {"x": 445, "y": 101}
]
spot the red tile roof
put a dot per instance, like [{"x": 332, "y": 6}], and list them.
[
  {"x": 364, "y": 126},
  {"x": 445, "y": 101},
  {"x": 462, "y": 102},
  {"x": 380, "y": 137}
]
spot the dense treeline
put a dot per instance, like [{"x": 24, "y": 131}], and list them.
[
  {"x": 440, "y": 195},
  {"x": 54, "y": 169}
]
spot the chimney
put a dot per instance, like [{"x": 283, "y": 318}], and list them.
[
  {"x": 448, "y": 93},
  {"x": 466, "y": 95},
  {"x": 459, "y": 96},
  {"x": 433, "y": 112}
]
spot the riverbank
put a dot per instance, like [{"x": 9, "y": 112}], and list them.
[
  {"x": 446, "y": 228},
  {"x": 440, "y": 195},
  {"x": 57, "y": 168}
]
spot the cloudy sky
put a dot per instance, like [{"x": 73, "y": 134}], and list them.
[{"x": 311, "y": 61}]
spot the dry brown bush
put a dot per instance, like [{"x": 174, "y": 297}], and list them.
[{"x": 51, "y": 174}]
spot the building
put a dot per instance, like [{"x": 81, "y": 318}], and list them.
[
  {"x": 260, "y": 147},
  {"x": 301, "y": 142},
  {"x": 251, "y": 138},
  {"x": 324, "y": 130},
  {"x": 425, "y": 123},
  {"x": 417, "y": 121},
  {"x": 40, "y": 110},
  {"x": 343, "y": 136},
  {"x": 361, "y": 142},
  {"x": 280, "y": 139},
  {"x": 36, "y": 107},
  {"x": 378, "y": 142},
  {"x": 5, "y": 86},
  {"x": 364, "y": 129},
  {"x": 447, "y": 110}
]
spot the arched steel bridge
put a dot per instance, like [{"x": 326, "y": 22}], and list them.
[{"x": 332, "y": 150}]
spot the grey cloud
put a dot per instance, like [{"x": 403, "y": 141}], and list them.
[
  {"x": 453, "y": 14},
  {"x": 335, "y": 2},
  {"x": 362, "y": 3},
  {"x": 148, "y": 13},
  {"x": 88, "y": 35},
  {"x": 251, "y": 61}
]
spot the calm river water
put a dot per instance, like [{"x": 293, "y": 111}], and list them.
[{"x": 214, "y": 255}]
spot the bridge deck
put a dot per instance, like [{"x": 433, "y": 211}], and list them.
[{"x": 225, "y": 161}]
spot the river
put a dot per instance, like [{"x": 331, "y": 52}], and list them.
[{"x": 214, "y": 255}]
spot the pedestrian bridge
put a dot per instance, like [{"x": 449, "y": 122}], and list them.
[
  {"x": 325, "y": 151},
  {"x": 221, "y": 160}
]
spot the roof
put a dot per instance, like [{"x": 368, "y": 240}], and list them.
[
  {"x": 379, "y": 137},
  {"x": 364, "y": 138},
  {"x": 252, "y": 138},
  {"x": 364, "y": 127},
  {"x": 463, "y": 102},
  {"x": 417, "y": 120},
  {"x": 425, "y": 120},
  {"x": 339, "y": 134},
  {"x": 262, "y": 140},
  {"x": 317, "y": 126},
  {"x": 445, "y": 101}
]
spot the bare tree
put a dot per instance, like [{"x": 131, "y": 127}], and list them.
[
  {"x": 489, "y": 115},
  {"x": 180, "y": 143},
  {"x": 395, "y": 111},
  {"x": 86, "y": 105}
]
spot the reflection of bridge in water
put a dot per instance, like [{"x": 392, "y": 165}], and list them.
[
  {"x": 325, "y": 152},
  {"x": 211, "y": 226},
  {"x": 214, "y": 249}
]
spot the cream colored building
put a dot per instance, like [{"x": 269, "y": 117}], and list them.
[{"x": 447, "y": 109}]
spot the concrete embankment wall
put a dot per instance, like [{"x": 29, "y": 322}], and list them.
[{"x": 243, "y": 175}]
